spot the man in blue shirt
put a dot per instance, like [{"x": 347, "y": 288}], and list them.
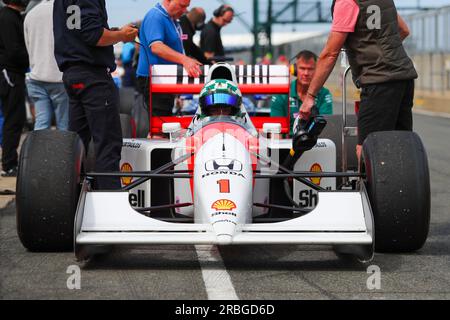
[
  {"x": 162, "y": 43},
  {"x": 85, "y": 55}
]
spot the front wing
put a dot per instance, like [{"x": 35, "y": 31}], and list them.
[{"x": 341, "y": 219}]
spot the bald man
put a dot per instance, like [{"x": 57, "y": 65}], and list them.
[{"x": 190, "y": 23}]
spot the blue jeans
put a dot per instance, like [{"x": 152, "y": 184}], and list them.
[{"x": 49, "y": 98}]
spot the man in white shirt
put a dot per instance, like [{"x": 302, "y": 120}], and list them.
[{"x": 44, "y": 84}]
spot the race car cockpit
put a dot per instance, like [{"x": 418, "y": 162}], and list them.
[
  {"x": 220, "y": 97},
  {"x": 221, "y": 101}
]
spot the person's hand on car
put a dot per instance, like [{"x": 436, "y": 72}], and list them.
[{"x": 192, "y": 66}]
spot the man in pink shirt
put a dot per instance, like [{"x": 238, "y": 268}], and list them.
[{"x": 372, "y": 33}]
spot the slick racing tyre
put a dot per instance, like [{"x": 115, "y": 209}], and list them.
[
  {"x": 48, "y": 188},
  {"x": 398, "y": 185}
]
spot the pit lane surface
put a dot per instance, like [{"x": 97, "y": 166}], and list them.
[{"x": 257, "y": 272}]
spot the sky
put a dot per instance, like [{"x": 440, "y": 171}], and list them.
[{"x": 124, "y": 11}]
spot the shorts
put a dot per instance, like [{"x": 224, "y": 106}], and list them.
[{"x": 385, "y": 107}]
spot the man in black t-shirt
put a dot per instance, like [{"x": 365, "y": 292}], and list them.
[
  {"x": 210, "y": 39},
  {"x": 190, "y": 23},
  {"x": 85, "y": 55}
]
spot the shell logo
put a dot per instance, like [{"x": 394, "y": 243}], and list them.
[
  {"x": 316, "y": 168},
  {"x": 223, "y": 205},
  {"x": 126, "y": 167}
]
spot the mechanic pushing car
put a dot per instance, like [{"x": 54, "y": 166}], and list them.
[
  {"x": 84, "y": 53},
  {"x": 372, "y": 33}
]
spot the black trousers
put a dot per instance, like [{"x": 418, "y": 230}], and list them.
[
  {"x": 386, "y": 107},
  {"x": 13, "y": 103},
  {"x": 162, "y": 103},
  {"x": 94, "y": 113}
]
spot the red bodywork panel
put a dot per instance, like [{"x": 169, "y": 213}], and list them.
[{"x": 270, "y": 89}]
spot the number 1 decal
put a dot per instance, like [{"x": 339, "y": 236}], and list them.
[{"x": 224, "y": 186}]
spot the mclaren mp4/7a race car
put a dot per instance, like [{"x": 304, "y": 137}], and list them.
[{"x": 223, "y": 178}]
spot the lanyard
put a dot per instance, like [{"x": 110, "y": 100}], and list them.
[{"x": 175, "y": 24}]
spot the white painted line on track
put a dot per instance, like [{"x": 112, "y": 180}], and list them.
[{"x": 217, "y": 280}]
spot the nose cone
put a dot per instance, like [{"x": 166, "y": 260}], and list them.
[
  {"x": 224, "y": 231},
  {"x": 224, "y": 239}
]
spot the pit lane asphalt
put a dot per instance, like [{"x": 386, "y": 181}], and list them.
[{"x": 257, "y": 272}]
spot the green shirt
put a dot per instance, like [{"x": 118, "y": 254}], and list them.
[{"x": 279, "y": 105}]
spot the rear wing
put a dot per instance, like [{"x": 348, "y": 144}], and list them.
[{"x": 251, "y": 79}]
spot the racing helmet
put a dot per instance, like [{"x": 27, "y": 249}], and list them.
[{"x": 220, "y": 97}]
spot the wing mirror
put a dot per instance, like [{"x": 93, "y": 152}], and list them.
[
  {"x": 173, "y": 129},
  {"x": 272, "y": 128}
]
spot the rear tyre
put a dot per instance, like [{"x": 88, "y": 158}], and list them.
[
  {"x": 48, "y": 189},
  {"x": 398, "y": 184}
]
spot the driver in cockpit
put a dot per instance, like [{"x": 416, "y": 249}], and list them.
[{"x": 220, "y": 97}]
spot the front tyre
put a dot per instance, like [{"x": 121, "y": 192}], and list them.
[
  {"x": 48, "y": 189},
  {"x": 398, "y": 184}
]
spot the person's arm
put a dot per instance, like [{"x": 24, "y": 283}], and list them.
[
  {"x": 403, "y": 28},
  {"x": 109, "y": 38},
  {"x": 93, "y": 31},
  {"x": 195, "y": 51},
  {"x": 165, "y": 52},
  {"x": 327, "y": 61},
  {"x": 207, "y": 42},
  {"x": 325, "y": 65}
]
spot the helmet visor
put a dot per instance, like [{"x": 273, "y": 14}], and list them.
[
  {"x": 212, "y": 103},
  {"x": 221, "y": 99}
]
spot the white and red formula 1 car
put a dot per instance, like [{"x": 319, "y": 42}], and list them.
[{"x": 227, "y": 181}]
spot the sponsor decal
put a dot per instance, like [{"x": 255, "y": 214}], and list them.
[
  {"x": 223, "y": 164},
  {"x": 321, "y": 145},
  {"x": 316, "y": 168},
  {"x": 132, "y": 145},
  {"x": 308, "y": 199},
  {"x": 232, "y": 173},
  {"x": 224, "y": 186},
  {"x": 225, "y": 220},
  {"x": 220, "y": 213},
  {"x": 137, "y": 199},
  {"x": 126, "y": 167},
  {"x": 223, "y": 205}
]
